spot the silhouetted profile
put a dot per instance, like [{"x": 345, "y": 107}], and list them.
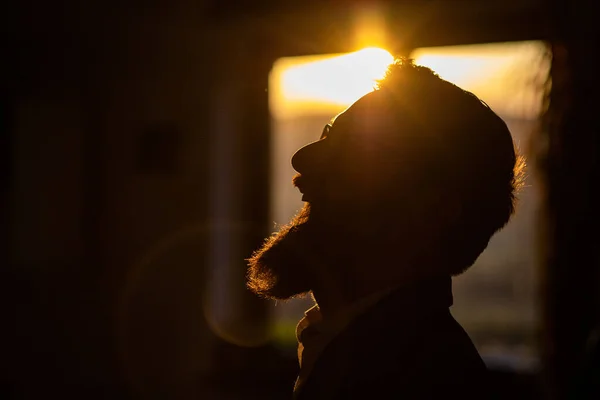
[{"x": 403, "y": 191}]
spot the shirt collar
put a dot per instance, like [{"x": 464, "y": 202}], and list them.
[
  {"x": 315, "y": 333},
  {"x": 313, "y": 324}
]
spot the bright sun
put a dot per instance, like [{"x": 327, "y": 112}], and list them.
[{"x": 328, "y": 83}]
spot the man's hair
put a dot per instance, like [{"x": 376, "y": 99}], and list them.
[{"x": 461, "y": 148}]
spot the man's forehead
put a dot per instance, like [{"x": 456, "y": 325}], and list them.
[{"x": 371, "y": 111}]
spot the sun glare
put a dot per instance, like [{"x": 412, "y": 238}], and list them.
[
  {"x": 328, "y": 84},
  {"x": 310, "y": 84}
]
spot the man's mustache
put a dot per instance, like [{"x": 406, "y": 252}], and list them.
[
  {"x": 311, "y": 187},
  {"x": 299, "y": 181}
]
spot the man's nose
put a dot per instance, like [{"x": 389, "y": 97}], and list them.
[{"x": 310, "y": 158}]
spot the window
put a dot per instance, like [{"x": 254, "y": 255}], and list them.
[{"x": 496, "y": 300}]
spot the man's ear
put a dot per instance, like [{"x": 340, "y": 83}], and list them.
[{"x": 440, "y": 213}]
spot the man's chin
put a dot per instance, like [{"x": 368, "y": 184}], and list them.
[{"x": 283, "y": 268}]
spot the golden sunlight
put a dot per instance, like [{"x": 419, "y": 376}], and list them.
[
  {"x": 304, "y": 85},
  {"x": 500, "y": 73},
  {"x": 312, "y": 85}
]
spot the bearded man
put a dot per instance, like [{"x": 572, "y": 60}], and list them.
[{"x": 402, "y": 192}]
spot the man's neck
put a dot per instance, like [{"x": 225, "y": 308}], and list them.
[{"x": 335, "y": 298}]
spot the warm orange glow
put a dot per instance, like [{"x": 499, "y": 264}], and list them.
[
  {"x": 501, "y": 74},
  {"x": 497, "y": 73},
  {"x": 321, "y": 84}
]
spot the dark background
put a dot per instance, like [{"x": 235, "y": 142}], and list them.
[{"x": 134, "y": 140}]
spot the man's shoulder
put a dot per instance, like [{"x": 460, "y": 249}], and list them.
[{"x": 429, "y": 336}]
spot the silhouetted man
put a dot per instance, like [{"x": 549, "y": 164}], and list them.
[{"x": 403, "y": 191}]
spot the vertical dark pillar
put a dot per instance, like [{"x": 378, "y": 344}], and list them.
[
  {"x": 239, "y": 213},
  {"x": 7, "y": 111},
  {"x": 239, "y": 191},
  {"x": 572, "y": 171},
  {"x": 255, "y": 147}
]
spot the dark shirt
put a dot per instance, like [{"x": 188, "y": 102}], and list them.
[{"x": 406, "y": 346}]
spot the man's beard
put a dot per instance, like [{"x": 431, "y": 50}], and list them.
[{"x": 285, "y": 266}]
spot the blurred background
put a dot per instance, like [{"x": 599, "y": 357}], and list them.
[{"x": 145, "y": 152}]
